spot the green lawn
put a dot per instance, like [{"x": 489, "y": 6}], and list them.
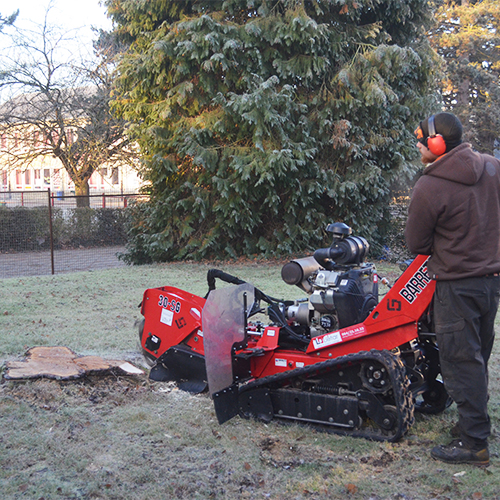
[{"x": 119, "y": 437}]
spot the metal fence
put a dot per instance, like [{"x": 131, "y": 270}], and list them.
[
  {"x": 46, "y": 233},
  {"x": 59, "y": 199}
]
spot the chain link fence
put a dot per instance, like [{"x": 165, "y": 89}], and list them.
[
  {"x": 46, "y": 233},
  {"x": 396, "y": 249}
]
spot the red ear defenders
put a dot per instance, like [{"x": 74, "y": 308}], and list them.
[{"x": 435, "y": 142}]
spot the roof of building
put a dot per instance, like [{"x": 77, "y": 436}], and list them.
[{"x": 71, "y": 104}]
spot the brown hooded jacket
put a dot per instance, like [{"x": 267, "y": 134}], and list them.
[{"x": 454, "y": 215}]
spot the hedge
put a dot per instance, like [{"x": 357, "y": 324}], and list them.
[{"x": 28, "y": 229}]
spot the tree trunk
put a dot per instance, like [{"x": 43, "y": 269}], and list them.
[
  {"x": 463, "y": 94},
  {"x": 82, "y": 193}
]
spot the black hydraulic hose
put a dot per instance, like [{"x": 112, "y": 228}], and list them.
[
  {"x": 215, "y": 273},
  {"x": 274, "y": 310},
  {"x": 228, "y": 278},
  {"x": 276, "y": 314}
]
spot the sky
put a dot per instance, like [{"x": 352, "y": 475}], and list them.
[
  {"x": 73, "y": 19},
  {"x": 68, "y": 14}
]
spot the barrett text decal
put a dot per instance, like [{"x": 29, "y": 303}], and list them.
[{"x": 416, "y": 284}]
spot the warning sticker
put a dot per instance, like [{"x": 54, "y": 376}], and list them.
[
  {"x": 166, "y": 317},
  {"x": 343, "y": 335},
  {"x": 326, "y": 340}
]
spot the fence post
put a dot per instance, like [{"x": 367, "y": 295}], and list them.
[{"x": 51, "y": 233}]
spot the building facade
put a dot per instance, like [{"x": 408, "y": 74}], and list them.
[
  {"x": 47, "y": 173},
  {"x": 30, "y": 133}
]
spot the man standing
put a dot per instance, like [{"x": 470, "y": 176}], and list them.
[{"x": 454, "y": 216}]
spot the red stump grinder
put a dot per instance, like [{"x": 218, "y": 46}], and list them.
[{"x": 338, "y": 359}]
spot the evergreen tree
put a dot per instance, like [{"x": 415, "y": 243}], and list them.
[
  {"x": 467, "y": 36},
  {"x": 260, "y": 121}
]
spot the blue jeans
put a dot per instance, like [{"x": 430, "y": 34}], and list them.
[{"x": 464, "y": 316}]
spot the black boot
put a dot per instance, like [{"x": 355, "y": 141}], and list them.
[{"x": 458, "y": 453}]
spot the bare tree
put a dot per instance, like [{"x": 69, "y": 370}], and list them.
[{"x": 56, "y": 105}]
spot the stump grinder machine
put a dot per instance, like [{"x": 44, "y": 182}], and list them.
[{"x": 338, "y": 359}]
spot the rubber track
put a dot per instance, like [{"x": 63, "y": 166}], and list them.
[{"x": 402, "y": 396}]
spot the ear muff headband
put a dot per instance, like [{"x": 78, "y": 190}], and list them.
[{"x": 435, "y": 142}]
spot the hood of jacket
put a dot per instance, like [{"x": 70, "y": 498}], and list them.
[{"x": 461, "y": 164}]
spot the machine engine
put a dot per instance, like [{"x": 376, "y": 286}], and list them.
[{"x": 342, "y": 289}]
